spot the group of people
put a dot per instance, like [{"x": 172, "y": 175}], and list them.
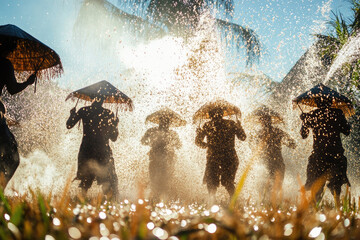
[{"x": 100, "y": 126}]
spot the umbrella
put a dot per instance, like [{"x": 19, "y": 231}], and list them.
[
  {"x": 265, "y": 111},
  {"x": 105, "y": 90},
  {"x": 321, "y": 91},
  {"x": 175, "y": 118},
  {"x": 30, "y": 54},
  {"x": 228, "y": 108}
]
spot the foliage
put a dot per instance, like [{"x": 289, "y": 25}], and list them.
[
  {"x": 46, "y": 217},
  {"x": 154, "y": 18}
]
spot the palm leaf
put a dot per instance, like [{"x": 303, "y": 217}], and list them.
[
  {"x": 115, "y": 17},
  {"x": 239, "y": 36}
]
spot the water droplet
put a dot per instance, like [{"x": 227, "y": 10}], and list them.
[
  {"x": 102, "y": 215},
  {"x": 74, "y": 232},
  {"x": 160, "y": 233},
  {"x": 347, "y": 222},
  {"x": 56, "y": 222},
  {"x": 211, "y": 228},
  {"x": 150, "y": 225},
  {"x": 215, "y": 209},
  {"x": 49, "y": 237},
  {"x": 322, "y": 218},
  {"x": 315, "y": 232}
]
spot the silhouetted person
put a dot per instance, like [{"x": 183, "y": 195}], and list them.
[
  {"x": 95, "y": 160},
  {"x": 9, "y": 156},
  {"x": 163, "y": 142},
  {"x": 327, "y": 161},
  {"x": 222, "y": 161},
  {"x": 270, "y": 141}
]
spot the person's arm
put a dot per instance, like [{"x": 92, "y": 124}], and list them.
[
  {"x": 304, "y": 131},
  {"x": 12, "y": 85},
  {"x": 177, "y": 142},
  {"x": 288, "y": 141},
  {"x": 344, "y": 125},
  {"x": 145, "y": 140},
  {"x": 73, "y": 118},
  {"x": 199, "y": 139},
  {"x": 114, "y": 128},
  {"x": 240, "y": 133}
]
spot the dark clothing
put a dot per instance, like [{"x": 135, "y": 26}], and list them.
[
  {"x": 327, "y": 159},
  {"x": 162, "y": 157},
  {"x": 222, "y": 161},
  {"x": 95, "y": 160},
  {"x": 270, "y": 144},
  {"x": 9, "y": 155},
  {"x": 7, "y": 77}
]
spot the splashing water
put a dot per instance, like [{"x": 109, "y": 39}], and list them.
[{"x": 179, "y": 73}]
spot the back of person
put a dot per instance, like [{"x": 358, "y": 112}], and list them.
[
  {"x": 6, "y": 69},
  {"x": 96, "y": 123},
  {"x": 327, "y": 124},
  {"x": 271, "y": 140},
  {"x": 98, "y": 128},
  {"x": 162, "y": 141},
  {"x": 220, "y": 134}
]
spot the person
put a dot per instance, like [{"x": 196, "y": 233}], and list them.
[
  {"x": 270, "y": 140},
  {"x": 222, "y": 161},
  {"x": 327, "y": 161},
  {"x": 9, "y": 155},
  {"x": 95, "y": 160},
  {"x": 163, "y": 143}
]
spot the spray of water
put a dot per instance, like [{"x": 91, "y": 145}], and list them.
[{"x": 178, "y": 73}]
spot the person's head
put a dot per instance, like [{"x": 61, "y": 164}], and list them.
[
  {"x": 216, "y": 114},
  {"x": 265, "y": 120},
  {"x": 98, "y": 101},
  {"x": 323, "y": 102},
  {"x": 6, "y": 47},
  {"x": 164, "y": 122}
]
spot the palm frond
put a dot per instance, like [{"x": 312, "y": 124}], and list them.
[
  {"x": 355, "y": 22},
  {"x": 114, "y": 17},
  {"x": 226, "y": 5},
  {"x": 241, "y": 36},
  {"x": 341, "y": 27}
]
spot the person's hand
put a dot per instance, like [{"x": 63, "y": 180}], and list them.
[
  {"x": 32, "y": 78},
  {"x": 238, "y": 122},
  {"x": 73, "y": 111},
  {"x": 116, "y": 121},
  {"x": 303, "y": 116}
]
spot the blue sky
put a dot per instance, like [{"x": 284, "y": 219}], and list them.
[{"x": 283, "y": 26}]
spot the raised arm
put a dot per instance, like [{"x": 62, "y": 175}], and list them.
[
  {"x": 114, "y": 128},
  {"x": 175, "y": 140},
  {"x": 304, "y": 131},
  {"x": 288, "y": 141},
  {"x": 199, "y": 139},
  {"x": 12, "y": 85},
  {"x": 145, "y": 140},
  {"x": 344, "y": 125},
  {"x": 240, "y": 133},
  {"x": 73, "y": 118}
]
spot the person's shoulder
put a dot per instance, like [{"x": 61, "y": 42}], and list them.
[
  {"x": 229, "y": 122},
  {"x": 108, "y": 112},
  {"x": 207, "y": 124},
  {"x": 5, "y": 63},
  {"x": 83, "y": 109},
  {"x": 337, "y": 111},
  {"x": 152, "y": 130}
]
